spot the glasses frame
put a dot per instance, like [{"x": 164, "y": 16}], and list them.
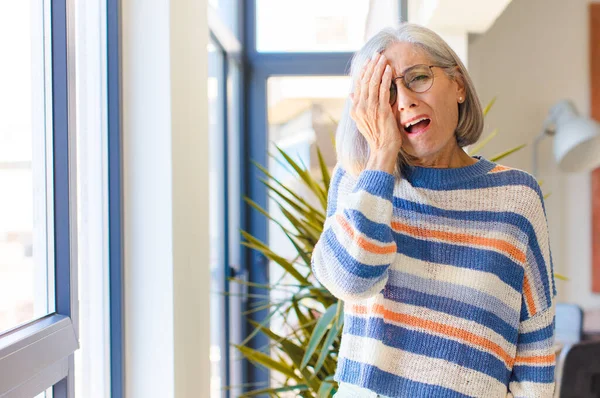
[{"x": 395, "y": 85}]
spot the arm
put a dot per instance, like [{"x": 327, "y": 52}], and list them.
[
  {"x": 356, "y": 248},
  {"x": 533, "y": 370}
]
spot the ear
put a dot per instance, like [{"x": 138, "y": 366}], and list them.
[{"x": 460, "y": 85}]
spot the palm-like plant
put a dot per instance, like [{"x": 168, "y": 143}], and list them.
[{"x": 305, "y": 355}]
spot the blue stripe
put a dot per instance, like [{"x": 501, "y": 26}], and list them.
[
  {"x": 385, "y": 383},
  {"x": 378, "y": 183},
  {"x": 426, "y": 344},
  {"x": 538, "y": 345},
  {"x": 492, "y": 180},
  {"x": 538, "y": 335},
  {"x": 334, "y": 185},
  {"x": 453, "y": 307},
  {"x": 468, "y": 257},
  {"x": 536, "y": 374},
  {"x": 463, "y": 294},
  {"x": 348, "y": 262},
  {"x": 542, "y": 267},
  {"x": 373, "y": 230}
]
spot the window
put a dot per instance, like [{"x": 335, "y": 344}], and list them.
[
  {"x": 310, "y": 26},
  {"x": 38, "y": 314},
  {"x": 26, "y": 227}
]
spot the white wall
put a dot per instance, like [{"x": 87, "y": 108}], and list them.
[
  {"x": 165, "y": 161},
  {"x": 535, "y": 54}
]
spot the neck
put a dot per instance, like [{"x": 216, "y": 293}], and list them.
[{"x": 452, "y": 157}]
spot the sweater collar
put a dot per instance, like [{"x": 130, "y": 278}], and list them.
[{"x": 432, "y": 177}]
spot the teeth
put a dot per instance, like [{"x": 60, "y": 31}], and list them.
[{"x": 407, "y": 125}]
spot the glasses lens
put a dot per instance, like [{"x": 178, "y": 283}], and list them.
[
  {"x": 419, "y": 78},
  {"x": 393, "y": 92}
]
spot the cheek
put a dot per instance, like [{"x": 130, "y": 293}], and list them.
[{"x": 447, "y": 114}]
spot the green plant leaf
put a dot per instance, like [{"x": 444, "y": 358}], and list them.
[
  {"x": 332, "y": 334},
  {"x": 275, "y": 391},
  {"x": 483, "y": 142},
  {"x": 506, "y": 153},
  {"x": 561, "y": 277},
  {"x": 267, "y": 361},
  {"x": 327, "y": 389},
  {"x": 324, "y": 170},
  {"x": 306, "y": 177},
  {"x": 264, "y": 249},
  {"x": 489, "y": 106},
  {"x": 320, "y": 330}
]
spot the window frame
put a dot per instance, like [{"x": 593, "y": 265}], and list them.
[
  {"x": 115, "y": 199},
  {"x": 39, "y": 354},
  {"x": 229, "y": 45}
]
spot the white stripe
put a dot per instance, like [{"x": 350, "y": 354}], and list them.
[
  {"x": 530, "y": 389},
  {"x": 483, "y": 281},
  {"x": 539, "y": 320},
  {"x": 373, "y": 207},
  {"x": 420, "y": 368}
]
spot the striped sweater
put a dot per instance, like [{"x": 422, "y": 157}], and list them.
[{"x": 447, "y": 281}]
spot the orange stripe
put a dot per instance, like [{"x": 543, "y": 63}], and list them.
[
  {"x": 499, "y": 168},
  {"x": 528, "y": 296},
  {"x": 439, "y": 328},
  {"x": 455, "y": 237},
  {"x": 537, "y": 359},
  {"x": 362, "y": 242}
]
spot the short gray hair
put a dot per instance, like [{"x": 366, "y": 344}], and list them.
[{"x": 352, "y": 148}]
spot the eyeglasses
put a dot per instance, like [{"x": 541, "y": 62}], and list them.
[{"x": 417, "y": 78}]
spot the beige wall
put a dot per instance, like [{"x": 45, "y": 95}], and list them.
[
  {"x": 535, "y": 54},
  {"x": 166, "y": 238}
]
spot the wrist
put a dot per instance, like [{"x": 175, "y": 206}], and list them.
[{"x": 383, "y": 160}]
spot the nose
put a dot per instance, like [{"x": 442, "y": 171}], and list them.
[{"x": 405, "y": 99}]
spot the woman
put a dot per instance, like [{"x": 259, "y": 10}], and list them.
[{"x": 442, "y": 259}]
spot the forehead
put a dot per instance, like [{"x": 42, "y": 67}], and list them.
[{"x": 405, "y": 55}]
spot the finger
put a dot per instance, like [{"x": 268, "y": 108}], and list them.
[
  {"x": 384, "y": 89},
  {"x": 358, "y": 83},
  {"x": 375, "y": 81},
  {"x": 367, "y": 78}
]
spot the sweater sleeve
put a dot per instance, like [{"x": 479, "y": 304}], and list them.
[
  {"x": 353, "y": 254},
  {"x": 533, "y": 370}
]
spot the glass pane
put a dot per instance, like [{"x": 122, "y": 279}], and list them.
[
  {"x": 25, "y": 140},
  {"x": 217, "y": 210},
  {"x": 302, "y": 115},
  {"x": 228, "y": 10},
  {"x": 310, "y": 25}
]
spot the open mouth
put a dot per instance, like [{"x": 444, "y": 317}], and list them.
[{"x": 419, "y": 127}]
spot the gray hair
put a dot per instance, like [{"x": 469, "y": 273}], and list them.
[{"x": 352, "y": 148}]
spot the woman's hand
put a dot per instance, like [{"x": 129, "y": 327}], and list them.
[{"x": 373, "y": 114}]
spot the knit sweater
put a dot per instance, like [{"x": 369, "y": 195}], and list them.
[{"x": 446, "y": 276}]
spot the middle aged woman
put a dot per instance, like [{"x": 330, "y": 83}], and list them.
[{"x": 442, "y": 259}]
